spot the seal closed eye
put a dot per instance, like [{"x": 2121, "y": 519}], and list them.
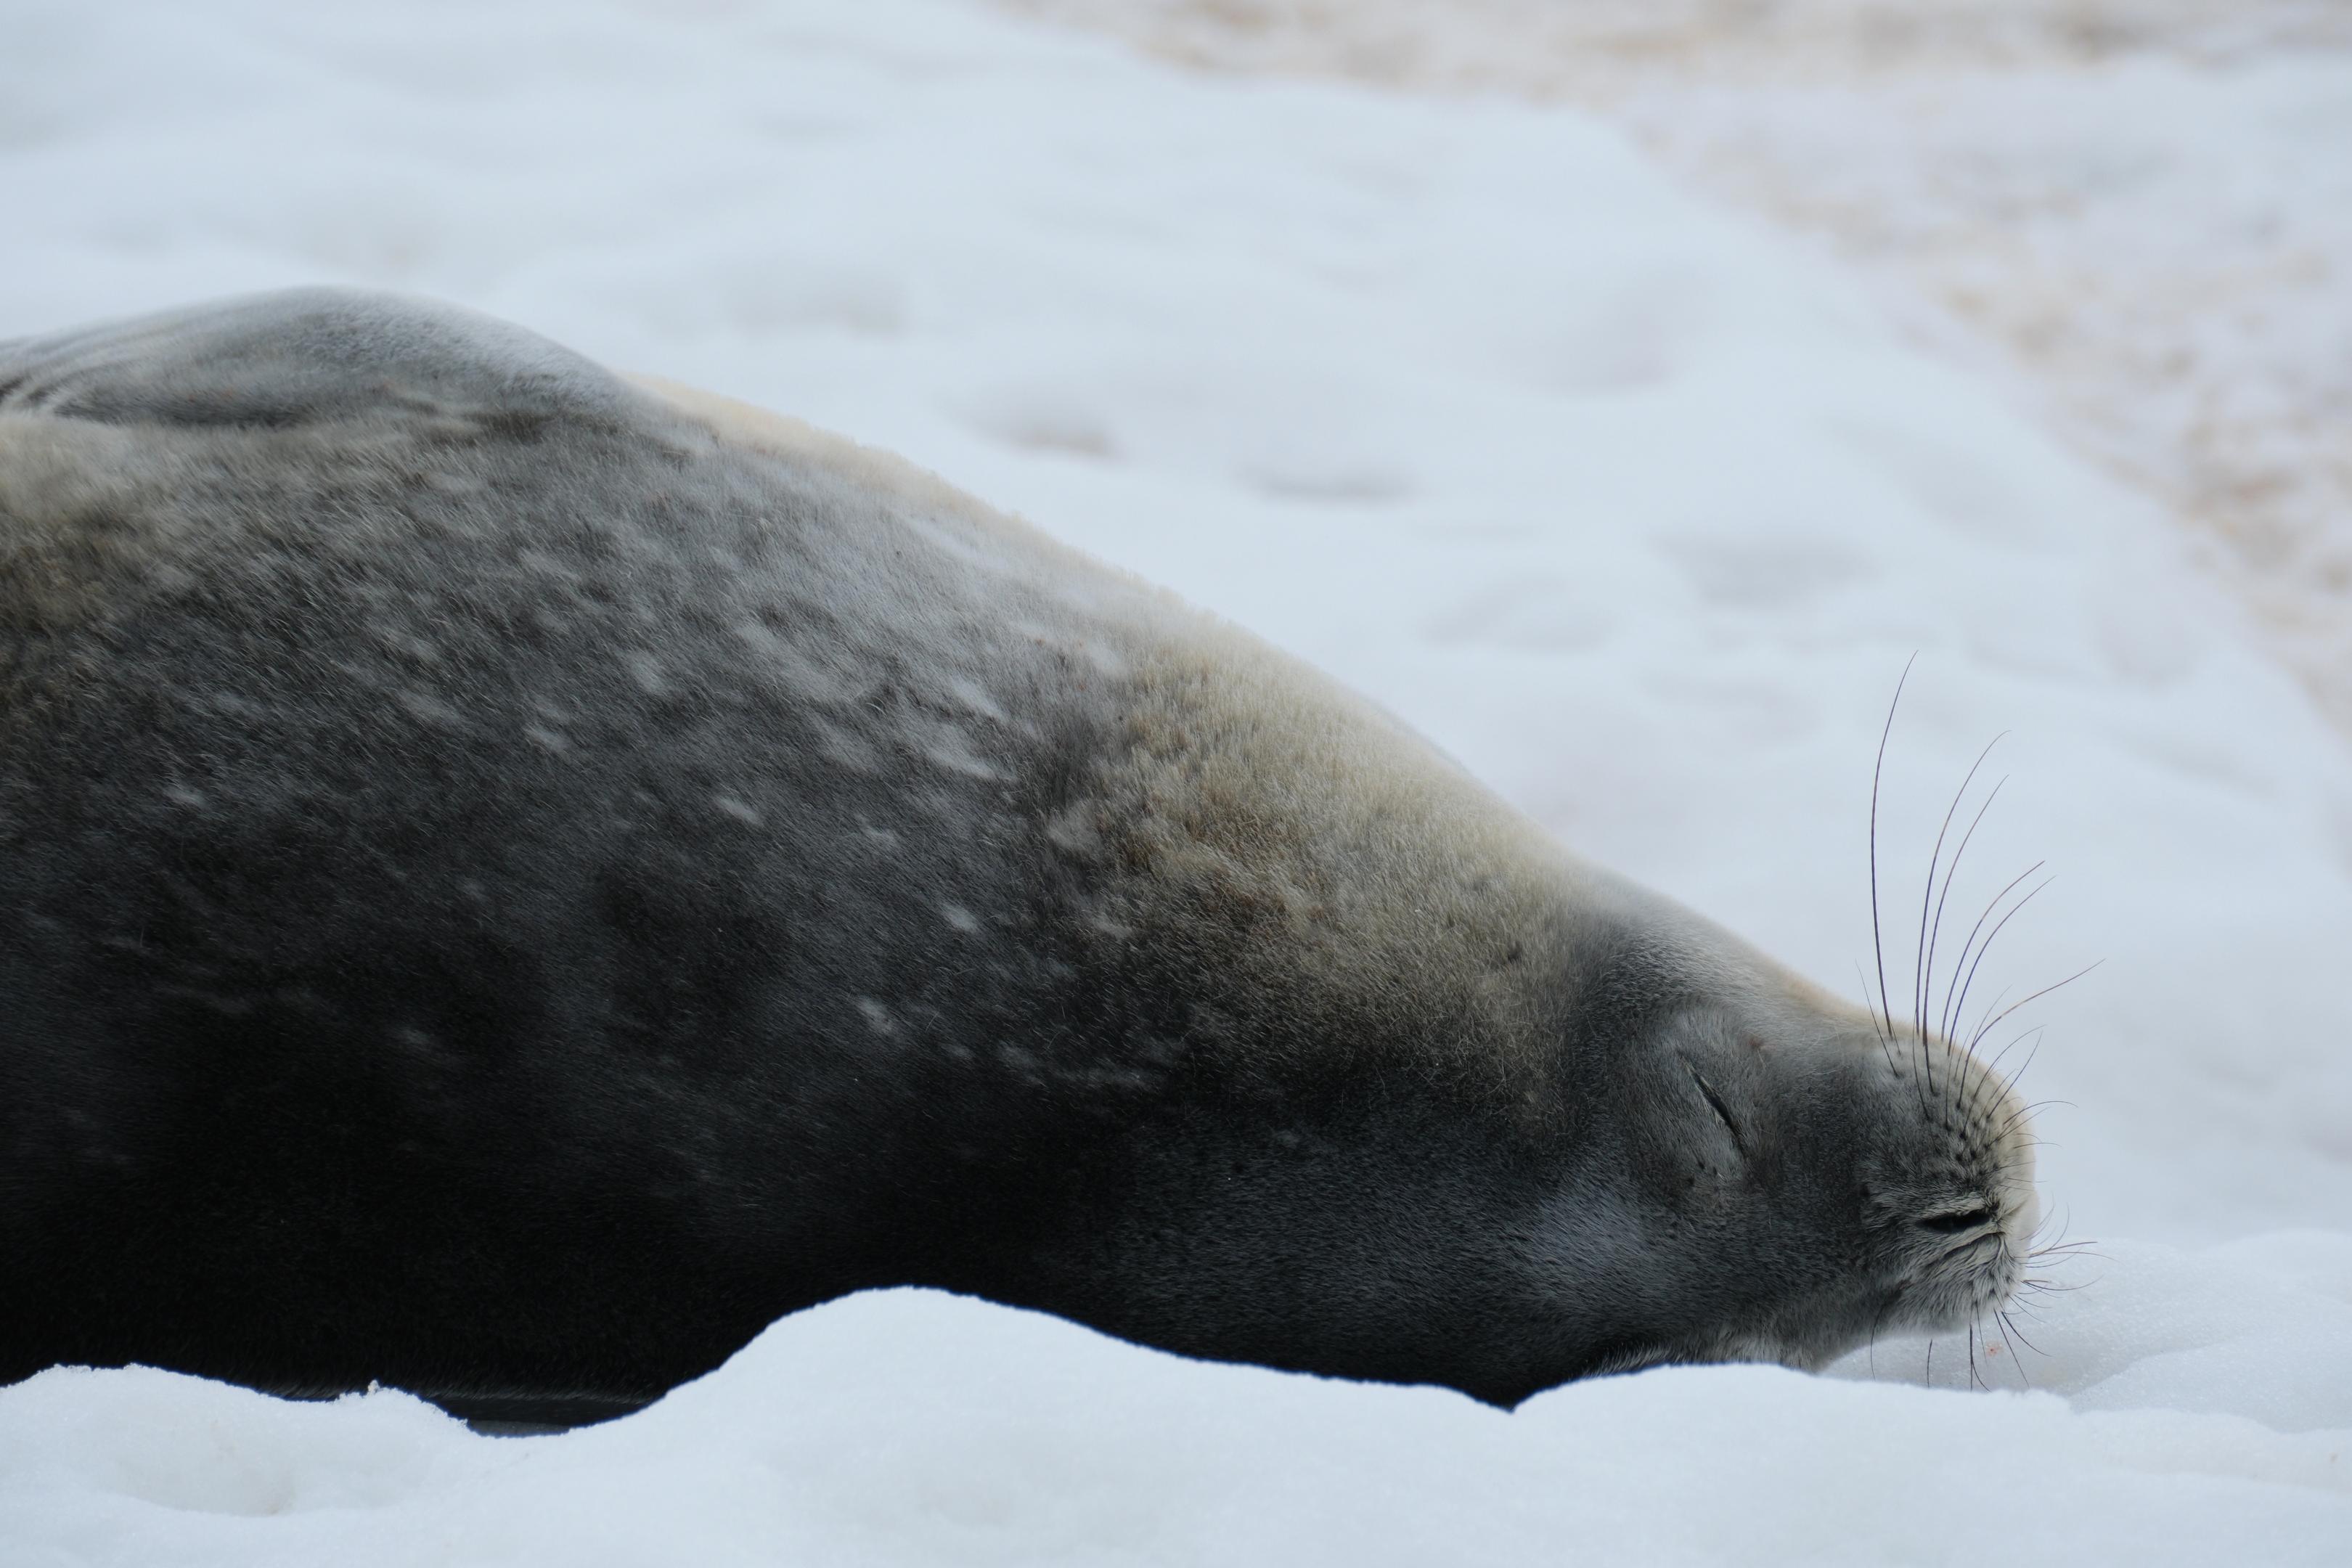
[
  {"x": 1714, "y": 1103},
  {"x": 511, "y": 879}
]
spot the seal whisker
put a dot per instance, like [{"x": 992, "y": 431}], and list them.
[
  {"x": 2016, "y": 1360},
  {"x": 2009, "y": 1085},
  {"x": 1944, "y": 1025},
  {"x": 1998, "y": 997},
  {"x": 1994, "y": 1067},
  {"x": 1955, "y": 984},
  {"x": 1877, "y": 769},
  {"x": 2066, "y": 1249},
  {"x": 1886, "y": 1048},
  {"x": 2023, "y": 1111},
  {"x": 1923, "y": 958},
  {"x": 1996, "y": 1018},
  {"x": 2043, "y": 1280},
  {"x": 1989, "y": 1081},
  {"x": 1958, "y": 1004},
  {"x": 2048, "y": 1284}
]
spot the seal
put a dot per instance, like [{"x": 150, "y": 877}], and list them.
[{"x": 511, "y": 879}]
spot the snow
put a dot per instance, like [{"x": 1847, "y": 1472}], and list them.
[
  {"x": 1635, "y": 505},
  {"x": 914, "y": 1428},
  {"x": 2135, "y": 213}
]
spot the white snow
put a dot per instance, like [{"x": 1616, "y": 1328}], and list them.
[
  {"x": 910, "y": 1427},
  {"x": 2136, "y": 213},
  {"x": 1637, "y": 508}
]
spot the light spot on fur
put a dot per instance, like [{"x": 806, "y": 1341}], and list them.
[
  {"x": 877, "y": 1017},
  {"x": 400, "y": 640},
  {"x": 741, "y": 811},
  {"x": 797, "y": 667},
  {"x": 181, "y": 795},
  {"x": 957, "y": 536},
  {"x": 960, "y": 759},
  {"x": 1075, "y": 830},
  {"x": 849, "y": 748},
  {"x": 761, "y": 635},
  {"x": 975, "y": 696},
  {"x": 431, "y": 709},
  {"x": 645, "y": 670},
  {"x": 962, "y": 919},
  {"x": 550, "y": 740},
  {"x": 881, "y": 836},
  {"x": 1103, "y": 657},
  {"x": 951, "y": 748}
]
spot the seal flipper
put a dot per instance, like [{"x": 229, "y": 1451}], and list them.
[{"x": 298, "y": 357}]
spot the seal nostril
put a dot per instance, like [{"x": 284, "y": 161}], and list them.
[{"x": 1958, "y": 1220}]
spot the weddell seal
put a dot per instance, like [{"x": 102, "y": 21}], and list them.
[{"x": 511, "y": 879}]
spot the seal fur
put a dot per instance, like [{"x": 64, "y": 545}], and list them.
[{"x": 511, "y": 879}]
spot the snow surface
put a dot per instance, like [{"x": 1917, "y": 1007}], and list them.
[
  {"x": 1636, "y": 507},
  {"x": 2136, "y": 211}
]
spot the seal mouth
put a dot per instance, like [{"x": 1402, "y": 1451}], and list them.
[
  {"x": 1967, "y": 1278},
  {"x": 1959, "y": 1251}
]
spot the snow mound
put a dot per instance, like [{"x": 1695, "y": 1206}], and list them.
[{"x": 911, "y": 1427}]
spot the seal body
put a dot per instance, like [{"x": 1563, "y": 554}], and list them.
[{"x": 511, "y": 879}]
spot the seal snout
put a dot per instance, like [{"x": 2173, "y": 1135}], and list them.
[{"x": 1955, "y": 1188}]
